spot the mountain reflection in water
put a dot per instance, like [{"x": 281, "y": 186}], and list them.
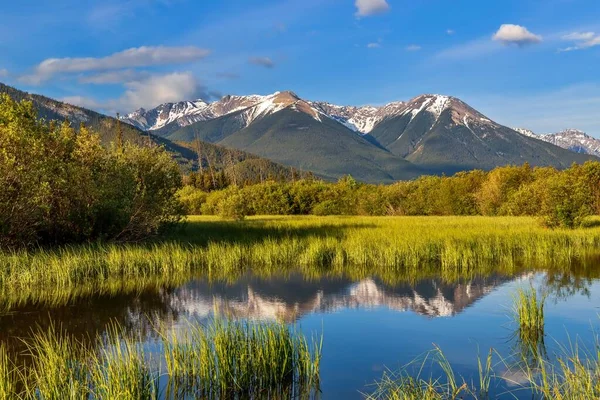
[{"x": 290, "y": 299}]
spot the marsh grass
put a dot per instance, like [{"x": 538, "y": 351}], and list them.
[
  {"x": 408, "y": 385},
  {"x": 240, "y": 359},
  {"x": 393, "y": 247},
  {"x": 528, "y": 310},
  {"x": 225, "y": 359},
  {"x": 121, "y": 371},
  {"x": 575, "y": 375},
  {"x": 7, "y": 376}
]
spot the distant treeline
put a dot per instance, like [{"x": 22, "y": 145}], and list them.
[
  {"x": 561, "y": 198},
  {"x": 61, "y": 185}
]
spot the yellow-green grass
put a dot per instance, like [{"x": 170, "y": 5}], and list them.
[
  {"x": 575, "y": 376},
  {"x": 234, "y": 359},
  {"x": 410, "y": 384},
  {"x": 395, "y": 248},
  {"x": 7, "y": 375},
  {"x": 239, "y": 359},
  {"x": 528, "y": 312}
]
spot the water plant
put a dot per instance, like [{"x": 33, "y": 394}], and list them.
[
  {"x": 395, "y": 248},
  {"x": 528, "y": 310},
  {"x": 408, "y": 385},
  {"x": 234, "y": 359},
  {"x": 7, "y": 375},
  {"x": 121, "y": 371}
]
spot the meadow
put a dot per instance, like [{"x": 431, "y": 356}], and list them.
[{"x": 396, "y": 249}]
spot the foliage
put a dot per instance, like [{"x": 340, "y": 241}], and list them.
[
  {"x": 560, "y": 198},
  {"x": 395, "y": 249},
  {"x": 60, "y": 185},
  {"x": 234, "y": 359}
]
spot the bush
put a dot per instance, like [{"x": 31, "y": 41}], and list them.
[
  {"x": 60, "y": 185},
  {"x": 192, "y": 200},
  {"x": 233, "y": 205}
]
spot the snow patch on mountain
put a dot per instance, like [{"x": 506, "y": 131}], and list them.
[{"x": 571, "y": 139}]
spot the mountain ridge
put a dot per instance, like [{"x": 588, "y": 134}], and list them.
[{"x": 571, "y": 139}]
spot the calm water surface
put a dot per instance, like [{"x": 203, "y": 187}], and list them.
[{"x": 368, "y": 326}]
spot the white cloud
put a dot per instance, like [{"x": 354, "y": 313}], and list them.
[
  {"x": 159, "y": 89},
  {"x": 262, "y": 61},
  {"x": 577, "y": 36},
  {"x": 374, "y": 45},
  {"x": 3, "y": 72},
  {"x": 469, "y": 50},
  {"x": 112, "y": 77},
  {"x": 365, "y": 8},
  {"x": 583, "y": 40},
  {"x": 148, "y": 92},
  {"x": 450, "y": 32},
  {"x": 515, "y": 34},
  {"x": 135, "y": 57},
  {"x": 413, "y": 47}
]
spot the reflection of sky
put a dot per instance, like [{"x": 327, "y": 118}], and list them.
[
  {"x": 367, "y": 326},
  {"x": 360, "y": 344}
]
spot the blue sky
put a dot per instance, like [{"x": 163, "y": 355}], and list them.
[{"x": 541, "y": 70}]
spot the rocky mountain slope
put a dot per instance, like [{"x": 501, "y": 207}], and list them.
[
  {"x": 435, "y": 133},
  {"x": 445, "y": 134},
  {"x": 291, "y": 299},
  {"x": 219, "y": 157},
  {"x": 571, "y": 139}
]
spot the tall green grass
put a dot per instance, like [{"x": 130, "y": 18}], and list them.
[
  {"x": 121, "y": 370},
  {"x": 453, "y": 247},
  {"x": 575, "y": 376},
  {"x": 7, "y": 376},
  {"x": 528, "y": 311},
  {"x": 233, "y": 359},
  {"x": 410, "y": 385},
  {"x": 226, "y": 359}
]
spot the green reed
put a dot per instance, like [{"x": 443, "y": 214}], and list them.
[
  {"x": 408, "y": 385},
  {"x": 528, "y": 310},
  {"x": 7, "y": 375},
  {"x": 121, "y": 370},
  {"x": 454, "y": 247},
  {"x": 242, "y": 359},
  {"x": 222, "y": 360},
  {"x": 58, "y": 370}
]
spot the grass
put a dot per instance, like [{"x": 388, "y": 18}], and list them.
[
  {"x": 225, "y": 359},
  {"x": 575, "y": 376},
  {"x": 395, "y": 248},
  {"x": 241, "y": 360},
  {"x": 7, "y": 375},
  {"x": 528, "y": 311},
  {"x": 407, "y": 385}
]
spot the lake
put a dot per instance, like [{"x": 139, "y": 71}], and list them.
[{"x": 368, "y": 325}]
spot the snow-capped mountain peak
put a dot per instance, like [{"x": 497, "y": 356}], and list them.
[{"x": 572, "y": 139}]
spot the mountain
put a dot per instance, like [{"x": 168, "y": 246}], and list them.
[
  {"x": 571, "y": 139},
  {"x": 434, "y": 133},
  {"x": 245, "y": 165},
  {"x": 445, "y": 134},
  {"x": 359, "y": 119},
  {"x": 292, "y": 298},
  {"x": 289, "y": 130}
]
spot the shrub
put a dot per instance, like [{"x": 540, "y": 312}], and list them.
[
  {"x": 233, "y": 205},
  {"x": 60, "y": 185},
  {"x": 192, "y": 200}
]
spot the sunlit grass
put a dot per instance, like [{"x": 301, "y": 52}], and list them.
[
  {"x": 407, "y": 384},
  {"x": 226, "y": 359},
  {"x": 393, "y": 248},
  {"x": 7, "y": 376},
  {"x": 233, "y": 359},
  {"x": 528, "y": 310}
]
